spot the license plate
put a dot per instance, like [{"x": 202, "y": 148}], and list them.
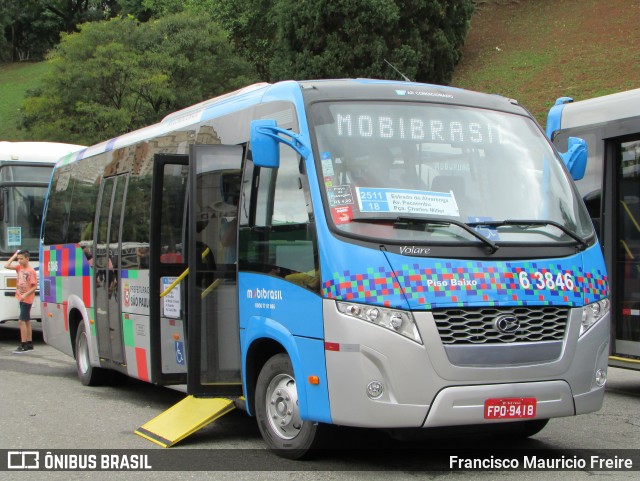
[{"x": 510, "y": 408}]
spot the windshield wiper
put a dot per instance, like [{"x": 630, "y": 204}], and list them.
[
  {"x": 532, "y": 223},
  {"x": 405, "y": 222}
]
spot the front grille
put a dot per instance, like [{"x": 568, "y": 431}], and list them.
[{"x": 476, "y": 325}]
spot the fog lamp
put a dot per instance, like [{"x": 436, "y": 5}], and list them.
[{"x": 375, "y": 389}]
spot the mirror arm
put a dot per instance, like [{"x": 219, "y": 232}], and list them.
[{"x": 295, "y": 143}]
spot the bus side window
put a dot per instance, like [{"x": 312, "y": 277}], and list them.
[
  {"x": 173, "y": 207},
  {"x": 71, "y": 205},
  {"x": 136, "y": 222},
  {"x": 277, "y": 231}
]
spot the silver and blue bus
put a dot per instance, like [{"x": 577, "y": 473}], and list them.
[
  {"x": 610, "y": 125},
  {"x": 341, "y": 252}
]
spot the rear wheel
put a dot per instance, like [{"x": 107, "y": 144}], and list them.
[
  {"x": 278, "y": 412},
  {"x": 88, "y": 375}
]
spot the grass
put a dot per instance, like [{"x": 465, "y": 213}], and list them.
[
  {"x": 15, "y": 80},
  {"x": 538, "y": 50}
]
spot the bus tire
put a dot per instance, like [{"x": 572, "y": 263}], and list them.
[
  {"x": 278, "y": 412},
  {"x": 88, "y": 375}
]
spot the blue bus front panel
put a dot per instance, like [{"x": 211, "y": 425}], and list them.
[{"x": 274, "y": 309}]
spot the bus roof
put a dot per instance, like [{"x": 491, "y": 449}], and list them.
[
  {"x": 255, "y": 93},
  {"x": 367, "y": 89},
  {"x": 35, "y": 151},
  {"x": 600, "y": 109}
]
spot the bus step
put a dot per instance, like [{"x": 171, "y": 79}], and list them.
[{"x": 183, "y": 419}]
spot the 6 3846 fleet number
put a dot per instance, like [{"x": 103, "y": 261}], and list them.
[{"x": 546, "y": 280}]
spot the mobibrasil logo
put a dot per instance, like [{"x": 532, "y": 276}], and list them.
[{"x": 261, "y": 293}]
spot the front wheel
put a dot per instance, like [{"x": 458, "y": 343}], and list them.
[
  {"x": 278, "y": 412},
  {"x": 88, "y": 375}
]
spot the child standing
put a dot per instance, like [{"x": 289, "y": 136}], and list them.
[{"x": 26, "y": 286}]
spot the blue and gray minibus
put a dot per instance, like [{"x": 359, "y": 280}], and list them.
[{"x": 356, "y": 252}]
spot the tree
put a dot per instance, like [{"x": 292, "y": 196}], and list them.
[
  {"x": 345, "y": 38},
  {"x": 116, "y": 76},
  {"x": 74, "y": 12},
  {"x": 353, "y": 38},
  {"x": 29, "y": 30},
  {"x": 251, "y": 25},
  {"x": 32, "y": 27}
]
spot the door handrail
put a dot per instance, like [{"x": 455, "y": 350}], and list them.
[{"x": 204, "y": 254}]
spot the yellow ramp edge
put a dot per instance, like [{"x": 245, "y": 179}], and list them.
[{"x": 183, "y": 419}]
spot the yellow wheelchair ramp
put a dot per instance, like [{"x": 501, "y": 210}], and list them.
[{"x": 183, "y": 419}]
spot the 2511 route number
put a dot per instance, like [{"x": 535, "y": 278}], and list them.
[{"x": 546, "y": 280}]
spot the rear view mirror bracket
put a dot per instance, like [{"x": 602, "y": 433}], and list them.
[{"x": 265, "y": 137}]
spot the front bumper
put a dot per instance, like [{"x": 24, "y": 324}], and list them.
[{"x": 422, "y": 387}]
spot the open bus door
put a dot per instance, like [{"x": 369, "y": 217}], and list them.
[
  {"x": 214, "y": 332},
  {"x": 167, "y": 264},
  {"x": 196, "y": 301}
]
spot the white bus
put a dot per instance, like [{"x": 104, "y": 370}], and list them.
[
  {"x": 611, "y": 189},
  {"x": 25, "y": 170}
]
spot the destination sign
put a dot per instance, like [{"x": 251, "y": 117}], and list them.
[
  {"x": 407, "y": 201},
  {"x": 391, "y": 127}
]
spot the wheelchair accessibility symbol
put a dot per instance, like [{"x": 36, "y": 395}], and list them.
[{"x": 180, "y": 353}]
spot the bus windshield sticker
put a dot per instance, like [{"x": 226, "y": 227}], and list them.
[
  {"x": 340, "y": 195},
  {"x": 490, "y": 232},
  {"x": 407, "y": 201},
  {"x": 342, "y": 215},
  {"x": 327, "y": 164},
  {"x": 14, "y": 236}
]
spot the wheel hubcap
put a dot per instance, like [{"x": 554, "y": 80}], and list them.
[
  {"x": 83, "y": 354},
  {"x": 282, "y": 406}
]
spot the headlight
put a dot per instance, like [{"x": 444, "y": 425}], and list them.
[
  {"x": 401, "y": 322},
  {"x": 592, "y": 313}
]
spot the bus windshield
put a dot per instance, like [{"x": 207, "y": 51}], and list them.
[
  {"x": 22, "y": 193},
  {"x": 400, "y": 171},
  {"x": 26, "y": 173}
]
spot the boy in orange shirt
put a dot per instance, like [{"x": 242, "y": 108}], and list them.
[{"x": 26, "y": 286}]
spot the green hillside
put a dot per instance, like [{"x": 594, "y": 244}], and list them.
[
  {"x": 532, "y": 50},
  {"x": 538, "y": 50},
  {"x": 15, "y": 80}
]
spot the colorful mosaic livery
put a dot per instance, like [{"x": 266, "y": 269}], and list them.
[{"x": 445, "y": 283}]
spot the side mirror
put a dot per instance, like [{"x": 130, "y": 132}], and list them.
[
  {"x": 575, "y": 158},
  {"x": 264, "y": 147},
  {"x": 265, "y": 137}
]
